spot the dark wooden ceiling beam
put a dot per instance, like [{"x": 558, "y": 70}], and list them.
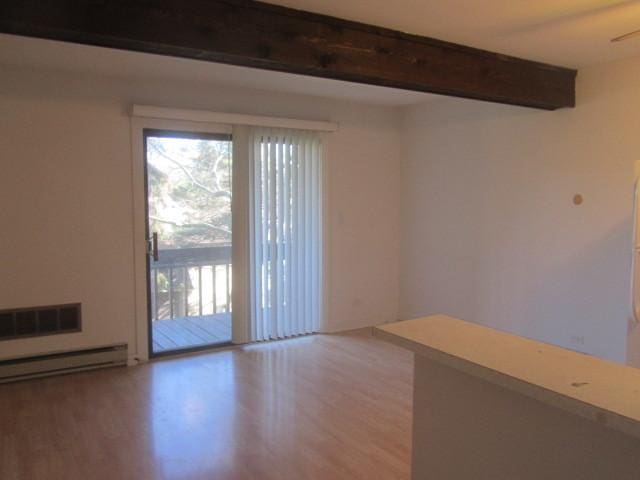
[{"x": 255, "y": 34}]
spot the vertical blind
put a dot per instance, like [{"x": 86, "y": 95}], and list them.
[{"x": 286, "y": 232}]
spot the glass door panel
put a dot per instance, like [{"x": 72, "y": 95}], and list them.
[{"x": 189, "y": 228}]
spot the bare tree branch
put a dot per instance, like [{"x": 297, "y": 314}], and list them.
[
  {"x": 187, "y": 225},
  {"x": 220, "y": 193}
]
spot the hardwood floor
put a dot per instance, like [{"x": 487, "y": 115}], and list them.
[
  {"x": 320, "y": 407},
  {"x": 186, "y": 332}
]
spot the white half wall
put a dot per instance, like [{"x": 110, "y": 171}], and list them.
[
  {"x": 490, "y": 233},
  {"x": 66, "y": 191}
]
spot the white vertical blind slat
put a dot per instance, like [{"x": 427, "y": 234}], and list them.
[
  {"x": 286, "y": 247},
  {"x": 308, "y": 317},
  {"x": 295, "y": 233},
  {"x": 280, "y": 238},
  {"x": 272, "y": 225},
  {"x": 255, "y": 229},
  {"x": 320, "y": 312},
  {"x": 302, "y": 258},
  {"x": 314, "y": 235},
  {"x": 264, "y": 260},
  {"x": 300, "y": 315},
  {"x": 287, "y": 237}
]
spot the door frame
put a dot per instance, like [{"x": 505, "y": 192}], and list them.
[
  {"x": 164, "y": 133},
  {"x": 141, "y": 325}
]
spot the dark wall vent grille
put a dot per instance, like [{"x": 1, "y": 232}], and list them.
[{"x": 38, "y": 321}]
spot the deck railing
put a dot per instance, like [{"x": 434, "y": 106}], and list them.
[{"x": 187, "y": 282}]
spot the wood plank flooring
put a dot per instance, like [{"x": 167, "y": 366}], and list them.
[
  {"x": 188, "y": 332},
  {"x": 318, "y": 407}
]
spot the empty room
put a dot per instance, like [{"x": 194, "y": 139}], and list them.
[{"x": 313, "y": 239}]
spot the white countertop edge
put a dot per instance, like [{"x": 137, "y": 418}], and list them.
[{"x": 559, "y": 400}]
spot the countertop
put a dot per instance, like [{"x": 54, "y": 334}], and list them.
[{"x": 602, "y": 391}]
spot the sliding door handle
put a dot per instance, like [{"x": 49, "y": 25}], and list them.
[{"x": 152, "y": 246}]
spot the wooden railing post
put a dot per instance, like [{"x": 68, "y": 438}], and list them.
[{"x": 177, "y": 263}]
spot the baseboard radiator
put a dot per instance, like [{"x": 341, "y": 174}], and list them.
[{"x": 58, "y": 363}]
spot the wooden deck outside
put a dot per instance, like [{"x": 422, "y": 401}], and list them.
[{"x": 187, "y": 332}]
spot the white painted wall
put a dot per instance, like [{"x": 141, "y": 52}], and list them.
[
  {"x": 483, "y": 205},
  {"x": 66, "y": 220},
  {"x": 489, "y": 230}
]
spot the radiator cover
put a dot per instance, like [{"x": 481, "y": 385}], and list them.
[{"x": 58, "y": 363}]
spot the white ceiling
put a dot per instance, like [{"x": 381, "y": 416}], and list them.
[
  {"x": 572, "y": 33},
  {"x": 26, "y": 52}
]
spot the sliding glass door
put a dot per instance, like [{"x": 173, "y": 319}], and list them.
[
  {"x": 277, "y": 247},
  {"x": 189, "y": 228}
]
